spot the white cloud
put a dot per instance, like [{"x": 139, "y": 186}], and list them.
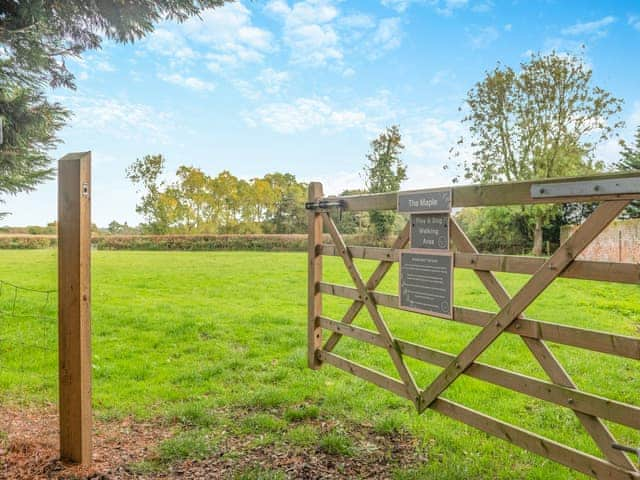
[
  {"x": 388, "y": 35},
  {"x": 358, "y": 21},
  {"x": 596, "y": 28},
  {"x": 91, "y": 63},
  {"x": 224, "y": 37},
  {"x": 119, "y": 119},
  {"x": 304, "y": 114},
  {"x": 482, "y": 37},
  {"x": 338, "y": 182},
  {"x": 508, "y": 27},
  {"x": 634, "y": 21},
  {"x": 273, "y": 80},
  {"x": 103, "y": 66},
  {"x": 167, "y": 43},
  {"x": 191, "y": 83},
  {"x": 308, "y": 30},
  {"x": 427, "y": 141},
  {"x": 432, "y": 138}
]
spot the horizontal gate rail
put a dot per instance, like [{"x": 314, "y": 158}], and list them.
[
  {"x": 579, "y": 269},
  {"x": 516, "y": 193},
  {"x": 618, "y": 412},
  {"x": 613, "y": 191},
  {"x": 580, "y": 461},
  {"x": 603, "y": 342}
]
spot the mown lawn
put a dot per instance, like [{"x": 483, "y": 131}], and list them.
[{"x": 188, "y": 336}]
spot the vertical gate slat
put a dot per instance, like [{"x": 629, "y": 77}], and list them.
[{"x": 314, "y": 332}]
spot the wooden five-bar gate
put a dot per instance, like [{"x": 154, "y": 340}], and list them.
[{"x": 613, "y": 192}]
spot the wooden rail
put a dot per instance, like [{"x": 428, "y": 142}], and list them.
[
  {"x": 614, "y": 191},
  {"x": 516, "y": 193},
  {"x": 579, "y": 269}
]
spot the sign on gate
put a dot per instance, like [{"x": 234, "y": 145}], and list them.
[
  {"x": 425, "y": 201},
  {"x": 426, "y": 283},
  {"x": 430, "y": 230}
]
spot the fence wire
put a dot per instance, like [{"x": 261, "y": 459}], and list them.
[{"x": 28, "y": 330}]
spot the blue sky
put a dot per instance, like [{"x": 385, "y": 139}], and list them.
[{"x": 303, "y": 86}]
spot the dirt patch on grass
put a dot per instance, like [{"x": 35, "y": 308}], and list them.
[
  {"x": 29, "y": 446},
  {"x": 373, "y": 456},
  {"x": 29, "y": 449}
]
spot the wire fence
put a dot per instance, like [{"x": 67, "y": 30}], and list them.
[{"x": 28, "y": 336}]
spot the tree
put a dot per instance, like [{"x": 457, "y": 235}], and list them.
[
  {"x": 384, "y": 172},
  {"x": 630, "y": 160},
  {"x": 30, "y": 123},
  {"x": 287, "y": 214},
  {"x": 541, "y": 122},
  {"x": 36, "y": 38},
  {"x": 496, "y": 229},
  {"x": 146, "y": 173}
]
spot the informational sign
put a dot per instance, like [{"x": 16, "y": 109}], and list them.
[
  {"x": 426, "y": 282},
  {"x": 430, "y": 230},
  {"x": 425, "y": 201}
]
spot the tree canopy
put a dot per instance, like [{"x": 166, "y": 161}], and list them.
[
  {"x": 198, "y": 203},
  {"x": 542, "y": 121},
  {"x": 37, "y": 37},
  {"x": 384, "y": 172},
  {"x": 630, "y": 160}
]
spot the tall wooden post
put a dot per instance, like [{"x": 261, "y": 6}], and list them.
[
  {"x": 74, "y": 306},
  {"x": 314, "y": 332}
]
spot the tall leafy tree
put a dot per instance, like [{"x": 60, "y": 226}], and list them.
[
  {"x": 542, "y": 121},
  {"x": 146, "y": 173},
  {"x": 384, "y": 172},
  {"x": 36, "y": 39},
  {"x": 630, "y": 160}
]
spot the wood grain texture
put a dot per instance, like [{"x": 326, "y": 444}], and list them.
[
  {"x": 515, "y": 193},
  {"x": 74, "y": 306},
  {"x": 314, "y": 296}
]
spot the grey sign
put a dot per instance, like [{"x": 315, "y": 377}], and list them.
[
  {"x": 425, "y": 201},
  {"x": 430, "y": 230},
  {"x": 426, "y": 283}
]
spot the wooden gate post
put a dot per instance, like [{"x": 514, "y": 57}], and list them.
[
  {"x": 314, "y": 332},
  {"x": 74, "y": 307}
]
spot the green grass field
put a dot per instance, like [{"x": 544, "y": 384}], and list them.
[{"x": 186, "y": 337}]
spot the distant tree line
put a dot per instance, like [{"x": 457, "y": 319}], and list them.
[{"x": 196, "y": 202}]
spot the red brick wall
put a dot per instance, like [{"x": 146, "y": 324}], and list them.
[{"x": 620, "y": 242}]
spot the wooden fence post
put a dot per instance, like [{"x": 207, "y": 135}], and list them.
[
  {"x": 314, "y": 332},
  {"x": 74, "y": 306}
]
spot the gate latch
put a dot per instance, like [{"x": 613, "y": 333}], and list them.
[{"x": 624, "y": 448}]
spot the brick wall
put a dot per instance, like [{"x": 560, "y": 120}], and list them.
[{"x": 620, "y": 242}]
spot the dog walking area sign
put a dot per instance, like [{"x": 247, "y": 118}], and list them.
[
  {"x": 426, "y": 271},
  {"x": 430, "y": 230}
]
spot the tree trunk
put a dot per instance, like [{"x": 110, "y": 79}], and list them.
[{"x": 537, "y": 237}]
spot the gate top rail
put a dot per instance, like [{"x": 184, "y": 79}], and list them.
[{"x": 592, "y": 188}]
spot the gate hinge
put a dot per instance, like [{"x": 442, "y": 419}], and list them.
[{"x": 324, "y": 204}]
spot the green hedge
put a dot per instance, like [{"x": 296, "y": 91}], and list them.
[
  {"x": 291, "y": 243},
  {"x": 202, "y": 242},
  {"x": 27, "y": 241}
]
